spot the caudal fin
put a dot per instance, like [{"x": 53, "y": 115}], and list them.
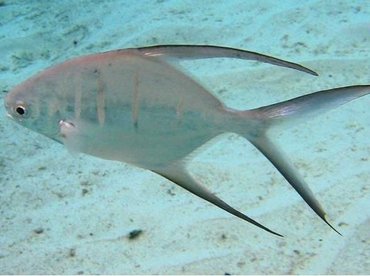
[
  {"x": 307, "y": 106},
  {"x": 294, "y": 111}
]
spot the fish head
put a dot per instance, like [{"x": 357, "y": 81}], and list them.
[{"x": 35, "y": 105}]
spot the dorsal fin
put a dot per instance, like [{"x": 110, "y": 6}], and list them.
[{"x": 210, "y": 51}]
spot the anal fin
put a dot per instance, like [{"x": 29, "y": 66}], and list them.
[{"x": 177, "y": 173}]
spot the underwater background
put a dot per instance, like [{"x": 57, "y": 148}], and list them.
[{"x": 75, "y": 214}]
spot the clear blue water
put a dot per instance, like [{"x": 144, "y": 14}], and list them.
[{"x": 71, "y": 213}]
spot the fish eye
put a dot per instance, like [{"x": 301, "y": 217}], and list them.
[{"x": 21, "y": 110}]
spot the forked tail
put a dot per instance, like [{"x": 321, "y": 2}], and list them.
[{"x": 291, "y": 111}]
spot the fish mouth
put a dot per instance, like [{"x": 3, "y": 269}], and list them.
[
  {"x": 9, "y": 116},
  {"x": 8, "y": 108}
]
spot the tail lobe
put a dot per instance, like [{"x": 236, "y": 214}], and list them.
[
  {"x": 306, "y": 107},
  {"x": 294, "y": 111}
]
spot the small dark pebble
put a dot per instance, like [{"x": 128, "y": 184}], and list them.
[
  {"x": 39, "y": 230},
  {"x": 170, "y": 192},
  {"x": 134, "y": 234},
  {"x": 72, "y": 252},
  {"x": 226, "y": 273},
  {"x": 84, "y": 191},
  {"x": 80, "y": 272}
]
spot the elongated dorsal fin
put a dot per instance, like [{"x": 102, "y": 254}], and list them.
[{"x": 210, "y": 51}]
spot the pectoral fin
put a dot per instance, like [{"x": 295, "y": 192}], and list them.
[
  {"x": 178, "y": 174},
  {"x": 68, "y": 133}
]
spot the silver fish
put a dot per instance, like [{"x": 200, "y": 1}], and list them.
[{"x": 136, "y": 106}]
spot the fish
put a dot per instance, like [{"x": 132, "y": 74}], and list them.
[{"x": 138, "y": 106}]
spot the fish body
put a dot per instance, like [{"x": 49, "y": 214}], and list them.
[
  {"x": 134, "y": 109},
  {"x": 136, "y": 106}
]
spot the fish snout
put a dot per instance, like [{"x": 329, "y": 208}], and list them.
[{"x": 8, "y": 108}]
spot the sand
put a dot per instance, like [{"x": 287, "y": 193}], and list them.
[{"x": 75, "y": 214}]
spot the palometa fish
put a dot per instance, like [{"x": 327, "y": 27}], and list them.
[{"x": 135, "y": 106}]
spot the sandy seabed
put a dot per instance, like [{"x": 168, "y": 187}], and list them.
[{"x": 69, "y": 214}]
